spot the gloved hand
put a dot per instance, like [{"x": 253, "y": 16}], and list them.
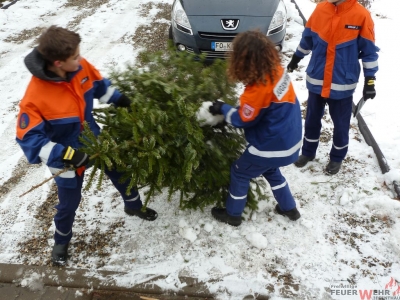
[
  {"x": 294, "y": 63},
  {"x": 216, "y": 107},
  {"x": 75, "y": 158},
  {"x": 123, "y": 101},
  {"x": 369, "y": 88}
]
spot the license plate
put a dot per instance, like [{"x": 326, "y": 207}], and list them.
[{"x": 221, "y": 46}]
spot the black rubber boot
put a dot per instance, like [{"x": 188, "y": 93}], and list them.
[
  {"x": 148, "y": 215},
  {"x": 303, "y": 160},
  {"x": 292, "y": 214},
  {"x": 333, "y": 167},
  {"x": 59, "y": 254},
  {"x": 221, "y": 215}
]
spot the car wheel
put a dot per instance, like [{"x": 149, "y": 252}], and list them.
[{"x": 170, "y": 33}]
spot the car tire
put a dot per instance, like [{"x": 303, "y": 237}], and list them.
[{"x": 170, "y": 33}]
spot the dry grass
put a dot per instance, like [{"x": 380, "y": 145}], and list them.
[
  {"x": 155, "y": 35},
  {"x": 84, "y": 4},
  {"x": 24, "y": 35}
]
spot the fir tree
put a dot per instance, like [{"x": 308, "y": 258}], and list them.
[{"x": 158, "y": 142}]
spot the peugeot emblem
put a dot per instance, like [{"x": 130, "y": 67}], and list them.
[{"x": 230, "y": 24}]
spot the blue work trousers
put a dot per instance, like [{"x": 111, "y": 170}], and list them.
[
  {"x": 242, "y": 171},
  {"x": 340, "y": 112},
  {"x": 69, "y": 200}
]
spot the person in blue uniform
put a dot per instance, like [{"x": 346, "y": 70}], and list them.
[{"x": 269, "y": 113}]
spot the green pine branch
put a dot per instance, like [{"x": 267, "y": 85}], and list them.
[{"x": 159, "y": 143}]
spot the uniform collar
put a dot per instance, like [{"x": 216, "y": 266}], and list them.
[
  {"x": 343, "y": 6},
  {"x": 37, "y": 66}
]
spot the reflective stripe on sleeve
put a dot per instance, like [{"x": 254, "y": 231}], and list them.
[
  {"x": 303, "y": 50},
  {"x": 370, "y": 64},
  {"x": 107, "y": 96},
  {"x": 229, "y": 115},
  {"x": 44, "y": 153}
]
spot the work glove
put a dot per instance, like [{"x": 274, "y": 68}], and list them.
[
  {"x": 294, "y": 63},
  {"x": 369, "y": 88},
  {"x": 123, "y": 101},
  {"x": 74, "y": 158},
  {"x": 216, "y": 107}
]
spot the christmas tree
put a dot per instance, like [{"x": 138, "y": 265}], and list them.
[{"x": 161, "y": 142}]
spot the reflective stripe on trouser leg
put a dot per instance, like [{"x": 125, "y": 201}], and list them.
[
  {"x": 313, "y": 125},
  {"x": 69, "y": 200},
  {"x": 241, "y": 175},
  {"x": 131, "y": 201},
  {"x": 280, "y": 189},
  {"x": 340, "y": 111},
  {"x": 242, "y": 171}
]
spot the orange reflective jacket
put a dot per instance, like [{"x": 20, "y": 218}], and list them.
[
  {"x": 338, "y": 36},
  {"x": 53, "y": 109},
  {"x": 271, "y": 119}
]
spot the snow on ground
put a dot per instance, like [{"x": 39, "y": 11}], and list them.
[{"x": 349, "y": 231}]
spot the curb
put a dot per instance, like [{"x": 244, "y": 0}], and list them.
[{"x": 97, "y": 280}]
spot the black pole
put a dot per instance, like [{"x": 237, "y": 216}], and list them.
[
  {"x": 367, "y": 133},
  {"x": 8, "y": 5},
  {"x": 369, "y": 138},
  {"x": 300, "y": 13}
]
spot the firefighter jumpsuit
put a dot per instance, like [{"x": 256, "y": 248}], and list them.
[
  {"x": 271, "y": 119},
  {"x": 338, "y": 36},
  {"x": 50, "y": 118}
]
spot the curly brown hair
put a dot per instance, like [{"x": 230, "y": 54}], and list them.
[{"x": 254, "y": 58}]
